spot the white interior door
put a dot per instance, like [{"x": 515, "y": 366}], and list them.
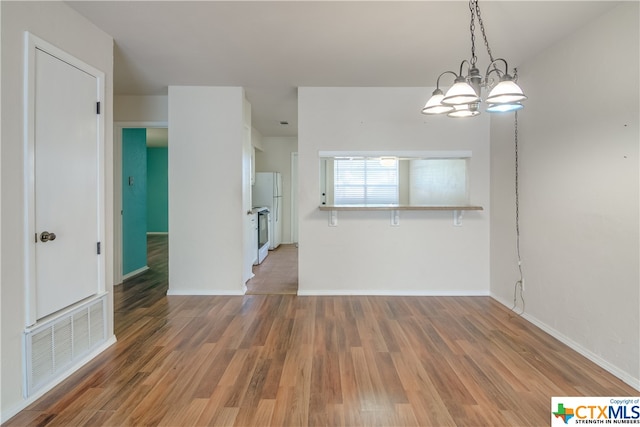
[{"x": 65, "y": 151}]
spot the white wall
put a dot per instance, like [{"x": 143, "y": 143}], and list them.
[
  {"x": 205, "y": 190},
  {"x": 426, "y": 254},
  {"x": 256, "y": 138},
  {"x": 276, "y": 157},
  {"x": 578, "y": 138},
  {"x": 59, "y": 25},
  {"x": 134, "y": 108}
]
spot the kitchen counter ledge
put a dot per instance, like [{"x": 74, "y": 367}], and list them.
[{"x": 399, "y": 208}]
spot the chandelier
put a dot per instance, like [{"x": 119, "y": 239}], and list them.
[{"x": 463, "y": 97}]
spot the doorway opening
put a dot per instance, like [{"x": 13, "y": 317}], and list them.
[
  {"x": 141, "y": 187},
  {"x": 277, "y": 274}
]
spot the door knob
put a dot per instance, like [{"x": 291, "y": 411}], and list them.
[{"x": 45, "y": 236}]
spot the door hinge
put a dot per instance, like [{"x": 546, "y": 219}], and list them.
[
  {"x": 98, "y": 247},
  {"x": 98, "y": 107}
]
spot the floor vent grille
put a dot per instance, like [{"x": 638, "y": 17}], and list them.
[{"x": 54, "y": 346}]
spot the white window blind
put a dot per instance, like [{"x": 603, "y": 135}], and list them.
[
  {"x": 438, "y": 182},
  {"x": 365, "y": 181}
]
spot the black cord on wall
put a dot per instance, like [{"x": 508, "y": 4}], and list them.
[{"x": 519, "y": 285}]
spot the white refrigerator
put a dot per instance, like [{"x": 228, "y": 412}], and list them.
[{"x": 267, "y": 192}]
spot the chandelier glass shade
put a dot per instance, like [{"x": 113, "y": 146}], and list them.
[
  {"x": 504, "y": 108},
  {"x": 465, "y": 110},
  {"x": 460, "y": 93},
  {"x": 505, "y": 92},
  {"x": 463, "y": 98},
  {"x": 435, "y": 106}
]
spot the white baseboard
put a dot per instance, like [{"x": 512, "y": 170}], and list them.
[
  {"x": 6, "y": 415},
  {"x": 204, "y": 292},
  {"x": 135, "y": 272},
  {"x": 390, "y": 293},
  {"x": 614, "y": 370}
]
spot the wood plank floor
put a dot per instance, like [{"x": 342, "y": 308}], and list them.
[
  {"x": 284, "y": 360},
  {"x": 278, "y": 273}
]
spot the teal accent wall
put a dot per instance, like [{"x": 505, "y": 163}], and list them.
[
  {"x": 157, "y": 190},
  {"x": 134, "y": 199}
]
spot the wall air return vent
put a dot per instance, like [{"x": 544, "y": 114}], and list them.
[{"x": 54, "y": 345}]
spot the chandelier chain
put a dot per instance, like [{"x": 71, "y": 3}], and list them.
[
  {"x": 472, "y": 29},
  {"x": 484, "y": 34}
]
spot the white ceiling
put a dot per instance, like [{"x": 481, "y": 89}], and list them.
[{"x": 272, "y": 48}]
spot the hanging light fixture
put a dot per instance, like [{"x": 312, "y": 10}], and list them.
[{"x": 463, "y": 97}]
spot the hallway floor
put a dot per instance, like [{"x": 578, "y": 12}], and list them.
[{"x": 278, "y": 273}]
